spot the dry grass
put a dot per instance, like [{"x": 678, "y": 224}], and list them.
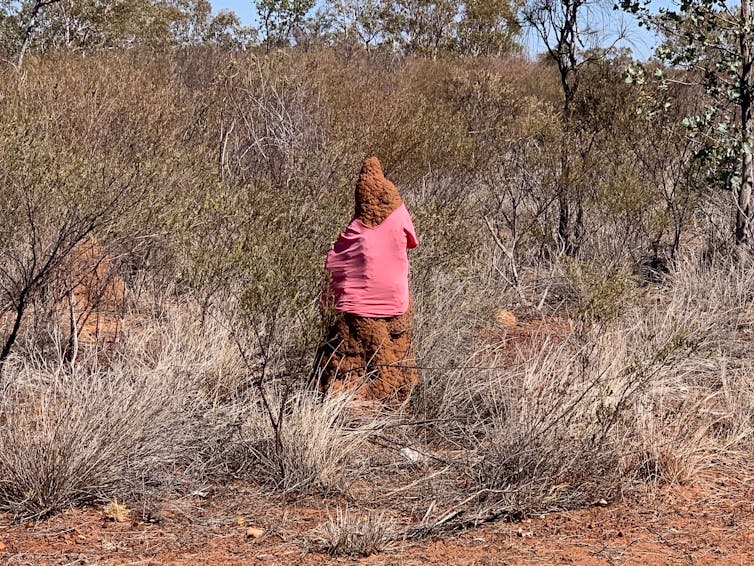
[
  {"x": 116, "y": 511},
  {"x": 316, "y": 447},
  {"x": 69, "y": 439},
  {"x": 645, "y": 396},
  {"x": 356, "y": 534},
  {"x": 126, "y": 431},
  {"x": 657, "y": 394}
]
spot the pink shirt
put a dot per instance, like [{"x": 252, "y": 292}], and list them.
[{"x": 369, "y": 266}]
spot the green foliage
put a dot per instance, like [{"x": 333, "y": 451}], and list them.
[
  {"x": 421, "y": 27},
  {"x": 714, "y": 43},
  {"x": 194, "y": 24},
  {"x": 81, "y": 161},
  {"x": 88, "y": 25},
  {"x": 10, "y": 27},
  {"x": 481, "y": 27},
  {"x": 279, "y": 19},
  {"x": 418, "y": 27},
  {"x": 599, "y": 295},
  {"x": 488, "y": 27},
  {"x": 356, "y": 21}
]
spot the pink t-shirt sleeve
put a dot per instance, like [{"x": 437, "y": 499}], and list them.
[{"x": 411, "y": 240}]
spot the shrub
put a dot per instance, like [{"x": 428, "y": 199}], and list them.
[
  {"x": 311, "y": 446},
  {"x": 72, "y": 439},
  {"x": 349, "y": 534}
]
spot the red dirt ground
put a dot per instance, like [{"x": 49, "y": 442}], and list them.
[{"x": 708, "y": 523}]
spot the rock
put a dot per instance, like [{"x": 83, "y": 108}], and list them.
[
  {"x": 254, "y": 532},
  {"x": 412, "y": 456},
  {"x": 505, "y": 318}
]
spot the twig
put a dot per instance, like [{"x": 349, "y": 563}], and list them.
[{"x": 457, "y": 511}]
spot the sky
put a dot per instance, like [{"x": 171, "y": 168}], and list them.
[{"x": 639, "y": 39}]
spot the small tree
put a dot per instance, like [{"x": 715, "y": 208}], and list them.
[
  {"x": 194, "y": 24},
  {"x": 279, "y": 19},
  {"x": 356, "y": 21},
  {"x": 46, "y": 216},
  {"x": 31, "y": 14},
  {"x": 488, "y": 27},
  {"x": 421, "y": 27},
  {"x": 90, "y": 157},
  {"x": 90, "y": 24},
  {"x": 713, "y": 42},
  {"x": 571, "y": 44}
]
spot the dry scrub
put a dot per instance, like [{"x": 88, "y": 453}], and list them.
[
  {"x": 313, "y": 446},
  {"x": 349, "y": 534},
  {"x": 655, "y": 395},
  {"x": 630, "y": 365},
  {"x": 125, "y": 431}
]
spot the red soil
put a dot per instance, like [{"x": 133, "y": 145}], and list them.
[{"x": 711, "y": 522}]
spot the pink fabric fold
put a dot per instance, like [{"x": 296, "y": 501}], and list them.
[{"x": 369, "y": 266}]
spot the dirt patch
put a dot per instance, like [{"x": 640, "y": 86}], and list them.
[{"x": 709, "y": 522}]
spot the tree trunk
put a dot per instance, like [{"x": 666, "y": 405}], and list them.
[
  {"x": 744, "y": 204},
  {"x": 28, "y": 29},
  {"x": 72, "y": 348},
  {"x": 11, "y": 340},
  {"x": 568, "y": 231},
  {"x": 30, "y": 25},
  {"x": 564, "y": 231},
  {"x": 743, "y": 208}
]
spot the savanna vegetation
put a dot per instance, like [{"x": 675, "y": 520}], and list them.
[{"x": 603, "y": 198}]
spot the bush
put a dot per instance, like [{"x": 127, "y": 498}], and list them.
[
  {"x": 72, "y": 439},
  {"x": 236, "y": 173},
  {"x": 348, "y": 534},
  {"x": 311, "y": 447}
]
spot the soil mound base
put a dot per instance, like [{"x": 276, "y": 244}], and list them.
[{"x": 371, "y": 356}]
